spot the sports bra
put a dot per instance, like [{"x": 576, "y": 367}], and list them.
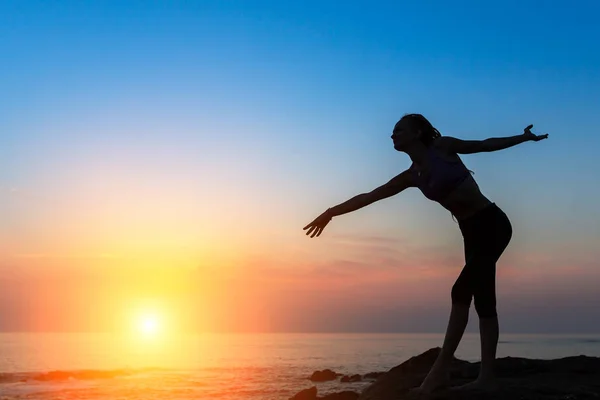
[{"x": 444, "y": 176}]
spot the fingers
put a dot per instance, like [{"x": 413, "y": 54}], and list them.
[
  {"x": 315, "y": 221},
  {"x": 315, "y": 229},
  {"x": 319, "y": 230},
  {"x": 311, "y": 224},
  {"x": 536, "y": 138}
]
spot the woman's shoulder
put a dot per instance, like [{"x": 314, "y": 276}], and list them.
[{"x": 440, "y": 148}]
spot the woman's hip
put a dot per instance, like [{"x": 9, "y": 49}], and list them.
[{"x": 490, "y": 224}]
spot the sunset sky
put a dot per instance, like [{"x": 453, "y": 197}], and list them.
[{"x": 163, "y": 157}]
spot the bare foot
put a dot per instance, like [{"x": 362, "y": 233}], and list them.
[
  {"x": 484, "y": 385},
  {"x": 437, "y": 378},
  {"x": 417, "y": 393}
]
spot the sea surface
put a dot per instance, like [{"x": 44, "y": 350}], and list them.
[{"x": 227, "y": 366}]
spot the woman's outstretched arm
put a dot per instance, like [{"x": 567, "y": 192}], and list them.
[
  {"x": 391, "y": 188},
  {"x": 459, "y": 146}
]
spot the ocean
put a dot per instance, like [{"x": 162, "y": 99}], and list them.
[{"x": 227, "y": 366}]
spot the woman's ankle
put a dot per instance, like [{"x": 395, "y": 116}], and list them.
[{"x": 442, "y": 363}]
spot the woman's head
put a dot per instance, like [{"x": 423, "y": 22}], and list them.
[{"x": 412, "y": 128}]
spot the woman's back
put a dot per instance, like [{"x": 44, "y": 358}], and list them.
[{"x": 445, "y": 179}]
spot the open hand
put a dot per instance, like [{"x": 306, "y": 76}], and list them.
[
  {"x": 531, "y": 136},
  {"x": 317, "y": 226}
]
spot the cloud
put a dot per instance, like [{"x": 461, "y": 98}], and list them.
[
  {"x": 365, "y": 239},
  {"x": 359, "y": 283},
  {"x": 402, "y": 255},
  {"x": 332, "y": 295},
  {"x": 47, "y": 256},
  {"x": 11, "y": 190}
]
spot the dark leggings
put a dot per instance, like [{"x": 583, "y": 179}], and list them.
[{"x": 486, "y": 235}]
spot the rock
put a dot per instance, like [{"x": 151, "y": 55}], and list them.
[
  {"x": 346, "y": 395},
  {"x": 80, "y": 375},
  {"x": 372, "y": 375},
  {"x": 322, "y": 376},
  {"x": 571, "y": 378},
  {"x": 306, "y": 394},
  {"x": 351, "y": 378},
  {"x": 311, "y": 394}
]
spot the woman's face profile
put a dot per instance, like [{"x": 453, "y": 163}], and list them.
[{"x": 403, "y": 134}]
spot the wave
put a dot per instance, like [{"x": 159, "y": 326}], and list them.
[{"x": 85, "y": 374}]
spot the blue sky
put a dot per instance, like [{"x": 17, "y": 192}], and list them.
[{"x": 250, "y": 118}]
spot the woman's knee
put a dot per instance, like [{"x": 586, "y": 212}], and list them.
[
  {"x": 461, "y": 294},
  {"x": 485, "y": 305}
]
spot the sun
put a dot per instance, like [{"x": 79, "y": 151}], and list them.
[{"x": 149, "y": 325}]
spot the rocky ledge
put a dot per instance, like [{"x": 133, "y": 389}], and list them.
[{"x": 570, "y": 378}]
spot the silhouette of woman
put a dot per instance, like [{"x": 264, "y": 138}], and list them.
[{"x": 440, "y": 174}]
